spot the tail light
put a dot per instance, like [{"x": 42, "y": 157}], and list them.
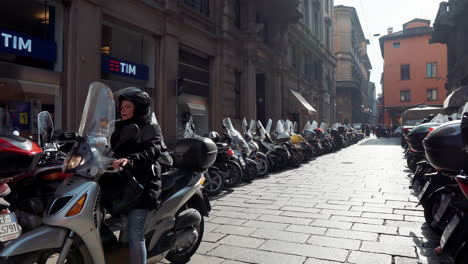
[
  {"x": 463, "y": 183},
  {"x": 406, "y": 129},
  {"x": 431, "y": 129},
  {"x": 230, "y": 152}
]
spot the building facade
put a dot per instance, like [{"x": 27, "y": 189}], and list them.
[
  {"x": 353, "y": 67},
  {"x": 451, "y": 28},
  {"x": 202, "y": 58},
  {"x": 414, "y": 69},
  {"x": 372, "y": 105},
  {"x": 310, "y": 63}
]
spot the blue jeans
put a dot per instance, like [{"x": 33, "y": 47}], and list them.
[{"x": 136, "y": 235}]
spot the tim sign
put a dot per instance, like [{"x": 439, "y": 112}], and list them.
[
  {"x": 23, "y": 45},
  {"x": 124, "y": 68}
]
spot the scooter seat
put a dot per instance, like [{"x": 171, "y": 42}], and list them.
[{"x": 170, "y": 178}]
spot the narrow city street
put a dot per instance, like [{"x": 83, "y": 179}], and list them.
[{"x": 353, "y": 206}]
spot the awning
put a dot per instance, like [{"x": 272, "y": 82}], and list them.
[
  {"x": 194, "y": 109},
  {"x": 303, "y": 102},
  {"x": 457, "y": 98}
]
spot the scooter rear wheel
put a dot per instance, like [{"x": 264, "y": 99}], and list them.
[
  {"x": 214, "y": 182},
  {"x": 182, "y": 257},
  {"x": 234, "y": 177}
]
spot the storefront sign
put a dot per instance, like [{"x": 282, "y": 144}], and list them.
[
  {"x": 124, "y": 68},
  {"x": 19, "y": 44}
]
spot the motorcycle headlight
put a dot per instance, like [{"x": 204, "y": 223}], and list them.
[{"x": 74, "y": 161}]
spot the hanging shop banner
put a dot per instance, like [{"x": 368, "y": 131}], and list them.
[
  {"x": 23, "y": 45},
  {"x": 124, "y": 68}
]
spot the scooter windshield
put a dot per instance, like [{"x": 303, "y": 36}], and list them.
[
  {"x": 289, "y": 127},
  {"x": 268, "y": 126},
  {"x": 440, "y": 119},
  {"x": 98, "y": 119},
  {"x": 189, "y": 131},
  {"x": 252, "y": 128},
  {"x": 45, "y": 128},
  {"x": 314, "y": 125},
  {"x": 262, "y": 131},
  {"x": 236, "y": 137},
  {"x": 280, "y": 127},
  {"x": 323, "y": 126}
]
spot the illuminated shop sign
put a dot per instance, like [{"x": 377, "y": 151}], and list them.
[
  {"x": 124, "y": 68},
  {"x": 19, "y": 44}
]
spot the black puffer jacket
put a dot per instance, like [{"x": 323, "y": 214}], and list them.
[{"x": 143, "y": 151}]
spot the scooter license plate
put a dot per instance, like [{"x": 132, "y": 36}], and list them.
[
  {"x": 449, "y": 230},
  {"x": 423, "y": 191},
  {"x": 442, "y": 209},
  {"x": 9, "y": 228}
]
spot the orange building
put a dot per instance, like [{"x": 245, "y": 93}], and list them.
[{"x": 414, "y": 70}]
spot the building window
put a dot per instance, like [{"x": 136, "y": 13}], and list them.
[
  {"x": 202, "y": 6},
  {"x": 431, "y": 94},
  {"x": 327, "y": 36},
  {"x": 396, "y": 44},
  {"x": 306, "y": 12},
  {"x": 431, "y": 70},
  {"x": 405, "y": 72},
  {"x": 327, "y": 6},
  {"x": 316, "y": 21},
  {"x": 237, "y": 14},
  {"x": 405, "y": 96}
]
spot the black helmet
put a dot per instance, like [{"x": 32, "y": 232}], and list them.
[
  {"x": 213, "y": 135},
  {"x": 139, "y": 98}
]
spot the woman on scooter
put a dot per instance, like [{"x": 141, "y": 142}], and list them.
[{"x": 138, "y": 157}]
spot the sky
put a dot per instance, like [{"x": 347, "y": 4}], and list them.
[{"x": 376, "y": 16}]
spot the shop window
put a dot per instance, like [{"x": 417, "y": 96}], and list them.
[
  {"x": 202, "y": 6},
  {"x": 405, "y": 72},
  {"x": 31, "y": 34},
  {"x": 431, "y": 94},
  {"x": 431, "y": 70},
  {"x": 405, "y": 96},
  {"x": 127, "y": 57}
]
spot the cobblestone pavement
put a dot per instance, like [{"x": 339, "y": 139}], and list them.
[{"x": 353, "y": 206}]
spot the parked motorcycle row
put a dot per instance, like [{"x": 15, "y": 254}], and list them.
[
  {"x": 258, "y": 150},
  {"x": 437, "y": 156},
  {"x": 50, "y": 191}
]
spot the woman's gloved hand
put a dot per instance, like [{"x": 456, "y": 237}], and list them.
[{"x": 119, "y": 163}]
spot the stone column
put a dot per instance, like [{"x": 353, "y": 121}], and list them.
[
  {"x": 82, "y": 58},
  {"x": 166, "y": 104}
]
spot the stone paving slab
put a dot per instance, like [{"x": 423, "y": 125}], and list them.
[{"x": 352, "y": 206}]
